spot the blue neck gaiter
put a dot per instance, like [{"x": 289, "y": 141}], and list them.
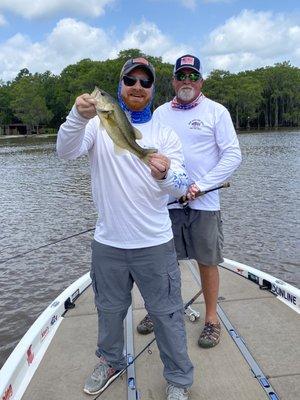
[{"x": 136, "y": 117}]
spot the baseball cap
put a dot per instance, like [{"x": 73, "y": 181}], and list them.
[
  {"x": 139, "y": 62},
  {"x": 188, "y": 61}
]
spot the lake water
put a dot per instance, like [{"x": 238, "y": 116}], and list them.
[{"x": 44, "y": 200}]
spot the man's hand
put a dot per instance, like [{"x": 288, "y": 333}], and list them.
[
  {"x": 85, "y": 105},
  {"x": 192, "y": 191},
  {"x": 159, "y": 165}
]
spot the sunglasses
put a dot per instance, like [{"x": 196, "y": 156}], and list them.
[
  {"x": 131, "y": 81},
  {"x": 193, "y": 76}
]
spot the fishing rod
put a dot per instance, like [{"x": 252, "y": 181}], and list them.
[
  {"x": 45, "y": 245},
  {"x": 190, "y": 302},
  {"x": 184, "y": 199},
  {"x": 193, "y": 299},
  {"x": 126, "y": 367}
]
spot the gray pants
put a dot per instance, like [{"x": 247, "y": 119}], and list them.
[{"x": 156, "y": 273}]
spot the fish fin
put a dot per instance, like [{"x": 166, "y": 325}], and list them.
[
  {"x": 119, "y": 151},
  {"x": 137, "y": 133}
]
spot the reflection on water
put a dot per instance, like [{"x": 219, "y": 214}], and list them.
[{"x": 44, "y": 199}]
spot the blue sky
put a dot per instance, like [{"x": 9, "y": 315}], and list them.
[{"x": 234, "y": 35}]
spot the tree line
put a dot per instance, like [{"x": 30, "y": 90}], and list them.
[{"x": 266, "y": 97}]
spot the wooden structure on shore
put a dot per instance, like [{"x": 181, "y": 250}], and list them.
[{"x": 15, "y": 129}]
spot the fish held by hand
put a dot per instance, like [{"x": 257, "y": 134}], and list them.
[{"x": 118, "y": 127}]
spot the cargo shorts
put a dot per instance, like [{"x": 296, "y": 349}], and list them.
[{"x": 198, "y": 235}]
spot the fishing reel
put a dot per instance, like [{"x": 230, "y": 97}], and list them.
[{"x": 192, "y": 314}]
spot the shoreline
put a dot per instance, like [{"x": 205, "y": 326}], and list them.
[
  {"x": 46, "y": 135},
  {"x": 239, "y": 132},
  {"x": 266, "y": 130}
]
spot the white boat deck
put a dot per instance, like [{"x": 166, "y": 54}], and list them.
[{"x": 269, "y": 328}]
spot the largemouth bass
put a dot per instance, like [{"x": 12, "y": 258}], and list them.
[{"x": 118, "y": 127}]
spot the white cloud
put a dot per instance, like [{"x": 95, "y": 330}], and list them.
[
  {"x": 72, "y": 40},
  {"x": 246, "y": 41},
  {"x": 41, "y": 8},
  {"x": 69, "y": 42},
  {"x": 2, "y": 20},
  {"x": 148, "y": 37},
  {"x": 253, "y": 39}
]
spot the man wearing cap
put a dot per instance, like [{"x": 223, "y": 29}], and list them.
[
  {"x": 133, "y": 240},
  {"x": 212, "y": 153}
]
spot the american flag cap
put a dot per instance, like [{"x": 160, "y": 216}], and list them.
[{"x": 188, "y": 61}]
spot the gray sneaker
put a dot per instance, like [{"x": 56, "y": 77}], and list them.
[
  {"x": 177, "y": 393},
  {"x": 101, "y": 377}
]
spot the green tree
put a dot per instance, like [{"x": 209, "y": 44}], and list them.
[
  {"x": 246, "y": 100},
  {"x": 124, "y": 55},
  {"x": 280, "y": 95},
  {"x": 268, "y": 96},
  {"x": 6, "y": 114},
  {"x": 29, "y": 104}
]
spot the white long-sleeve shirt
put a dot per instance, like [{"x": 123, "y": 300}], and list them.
[
  {"x": 131, "y": 204},
  {"x": 210, "y": 146}
]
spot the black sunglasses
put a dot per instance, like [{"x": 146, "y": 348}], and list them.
[
  {"x": 193, "y": 76},
  {"x": 131, "y": 81}
]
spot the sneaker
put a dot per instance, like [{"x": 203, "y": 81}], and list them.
[
  {"x": 145, "y": 326},
  {"x": 101, "y": 377},
  {"x": 177, "y": 393},
  {"x": 210, "y": 336}
]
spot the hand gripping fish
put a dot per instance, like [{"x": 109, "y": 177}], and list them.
[{"x": 118, "y": 127}]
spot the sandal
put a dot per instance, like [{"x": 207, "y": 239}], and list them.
[{"x": 210, "y": 336}]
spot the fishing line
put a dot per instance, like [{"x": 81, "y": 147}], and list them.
[
  {"x": 183, "y": 200},
  {"x": 46, "y": 245}
]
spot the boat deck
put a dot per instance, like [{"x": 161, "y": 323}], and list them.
[{"x": 221, "y": 373}]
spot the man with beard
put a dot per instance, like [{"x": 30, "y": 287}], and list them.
[
  {"x": 133, "y": 239},
  {"x": 211, "y": 153}
]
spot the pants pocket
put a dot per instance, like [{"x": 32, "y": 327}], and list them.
[{"x": 174, "y": 286}]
